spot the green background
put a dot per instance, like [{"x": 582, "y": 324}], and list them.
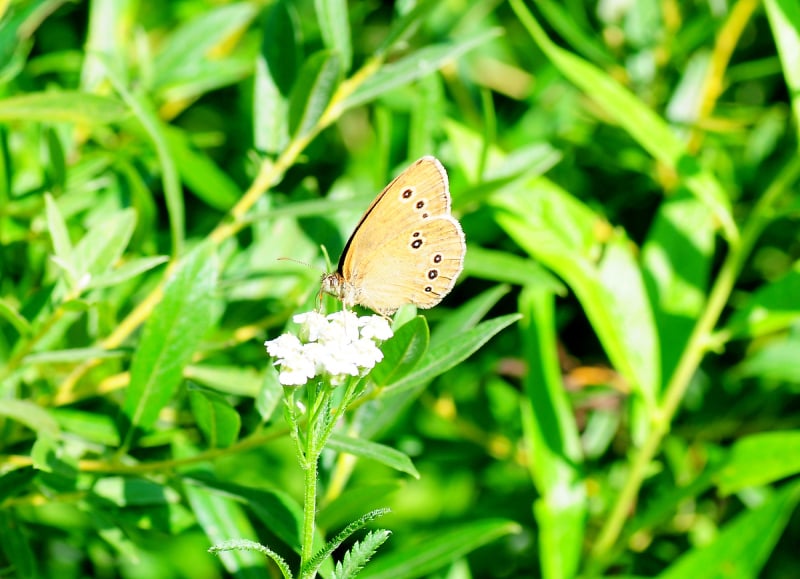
[{"x": 611, "y": 389}]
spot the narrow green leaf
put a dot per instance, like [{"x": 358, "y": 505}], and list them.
[
  {"x": 643, "y": 124},
  {"x": 105, "y": 242},
  {"x": 505, "y": 267},
  {"x": 16, "y": 319},
  {"x": 19, "y": 555},
  {"x": 552, "y": 440},
  {"x": 467, "y": 316},
  {"x": 410, "y": 68},
  {"x": 405, "y": 26},
  {"x": 205, "y": 38},
  {"x": 783, "y": 16},
  {"x": 134, "y": 492},
  {"x": 66, "y": 106},
  {"x": 401, "y": 352},
  {"x": 440, "y": 359},
  {"x": 276, "y": 69},
  {"x": 91, "y": 426},
  {"x": 170, "y": 337},
  {"x": 217, "y": 419},
  {"x": 381, "y": 453},
  {"x": 276, "y": 510},
  {"x": 143, "y": 110},
  {"x": 245, "y": 545},
  {"x": 742, "y": 546},
  {"x": 596, "y": 262},
  {"x": 771, "y": 308},
  {"x": 332, "y": 17},
  {"x": 222, "y": 519},
  {"x": 312, "y": 92},
  {"x": 62, "y": 246},
  {"x": 128, "y": 270},
  {"x": 677, "y": 259},
  {"x": 201, "y": 175},
  {"x": 226, "y": 379},
  {"x": 73, "y": 355},
  {"x": 760, "y": 459},
  {"x": 31, "y": 415},
  {"x": 419, "y": 560}
]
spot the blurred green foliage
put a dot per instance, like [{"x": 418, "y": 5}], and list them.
[{"x": 627, "y": 177}]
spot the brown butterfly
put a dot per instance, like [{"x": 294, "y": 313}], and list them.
[{"x": 406, "y": 249}]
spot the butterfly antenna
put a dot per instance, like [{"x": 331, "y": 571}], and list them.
[{"x": 296, "y": 261}]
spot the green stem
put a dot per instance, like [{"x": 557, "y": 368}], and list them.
[
  {"x": 692, "y": 356},
  {"x": 309, "y": 499}
]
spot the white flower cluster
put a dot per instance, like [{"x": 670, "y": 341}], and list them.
[{"x": 336, "y": 346}]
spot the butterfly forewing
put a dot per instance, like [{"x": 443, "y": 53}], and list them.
[{"x": 406, "y": 248}]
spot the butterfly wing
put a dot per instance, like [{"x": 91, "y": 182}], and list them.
[
  {"x": 416, "y": 265},
  {"x": 407, "y": 248},
  {"x": 419, "y": 192}
]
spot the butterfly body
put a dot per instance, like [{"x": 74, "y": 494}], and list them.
[{"x": 406, "y": 249}]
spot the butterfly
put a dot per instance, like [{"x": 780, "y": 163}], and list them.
[{"x": 406, "y": 249}]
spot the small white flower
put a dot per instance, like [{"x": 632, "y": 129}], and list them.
[
  {"x": 283, "y": 346},
  {"x": 343, "y": 327},
  {"x": 336, "y": 346},
  {"x": 376, "y": 327},
  {"x": 311, "y": 325}
]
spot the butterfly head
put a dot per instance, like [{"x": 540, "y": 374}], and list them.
[{"x": 335, "y": 285}]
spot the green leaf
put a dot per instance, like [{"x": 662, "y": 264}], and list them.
[
  {"x": 221, "y": 519},
  {"x": 134, "y": 492},
  {"x": 312, "y": 92},
  {"x": 66, "y": 106},
  {"x": 598, "y": 265},
  {"x": 62, "y": 246},
  {"x": 19, "y": 555},
  {"x": 359, "y": 554},
  {"x": 775, "y": 360},
  {"x": 91, "y": 426},
  {"x": 244, "y": 544},
  {"x": 467, "y": 316},
  {"x": 401, "y": 352},
  {"x": 170, "y": 338},
  {"x": 312, "y": 565},
  {"x": 771, "y": 308},
  {"x": 760, "y": 459},
  {"x": 126, "y": 271},
  {"x": 742, "y": 546},
  {"x": 332, "y": 17},
  {"x": 198, "y": 171},
  {"x": 276, "y": 510},
  {"x": 16, "y": 319},
  {"x": 104, "y": 243},
  {"x": 154, "y": 127},
  {"x": 421, "y": 559},
  {"x": 410, "y": 68},
  {"x": 73, "y": 355},
  {"x": 200, "y": 42},
  {"x": 227, "y": 379},
  {"x": 505, "y": 267},
  {"x": 441, "y": 358},
  {"x": 405, "y": 26},
  {"x": 642, "y": 123},
  {"x": 783, "y": 16},
  {"x": 217, "y": 419},
  {"x": 677, "y": 259},
  {"x": 276, "y": 69},
  {"x": 552, "y": 440},
  {"x": 381, "y": 453},
  {"x": 31, "y": 415}
]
